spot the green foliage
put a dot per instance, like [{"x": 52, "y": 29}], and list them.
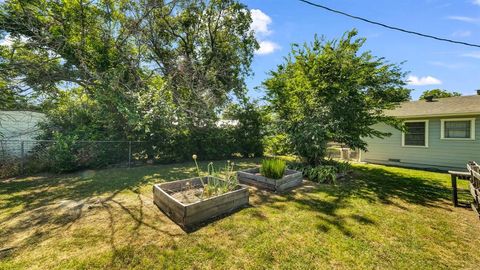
[
  {"x": 132, "y": 70},
  {"x": 278, "y": 144},
  {"x": 248, "y": 132},
  {"x": 439, "y": 93},
  {"x": 273, "y": 168},
  {"x": 323, "y": 174},
  {"x": 312, "y": 90},
  {"x": 213, "y": 186},
  {"x": 61, "y": 153},
  {"x": 326, "y": 173},
  {"x": 343, "y": 167}
]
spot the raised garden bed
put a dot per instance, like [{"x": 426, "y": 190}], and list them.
[
  {"x": 183, "y": 202},
  {"x": 253, "y": 177}
]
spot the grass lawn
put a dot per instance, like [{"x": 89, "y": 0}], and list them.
[{"x": 384, "y": 217}]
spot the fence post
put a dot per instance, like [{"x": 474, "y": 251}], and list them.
[
  {"x": 22, "y": 156},
  {"x": 129, "y": 153}
]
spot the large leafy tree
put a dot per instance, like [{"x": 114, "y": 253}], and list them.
[
  {"x": 145, "y": 66},
  {"x": 74, "y": 44},
  {"x": 205, "y": 49},
  {"x": 333, "y": 91},
  {"x": 438, "y": 93}
]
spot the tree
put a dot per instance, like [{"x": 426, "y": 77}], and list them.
[
  {"x": 330, "y": 91},
  {"x": 205, "y": 49},
  {"x": 189, "y": 56},
  {"x": 248, "y": 128},
  {"x": 439, "y": 93}
]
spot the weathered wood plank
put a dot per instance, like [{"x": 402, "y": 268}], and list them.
[
  {"x": 216, "y": 210},
  {"x": 475, "y": 209},
  {"x": 216, "y": 200},
  {"x": 187, "y": 215},
  {"x": 172, "y": 208},
  {"x": 291, "y": 179},
  {"x": 290, "y": 184},
  {"x": 473, "y": 192}
]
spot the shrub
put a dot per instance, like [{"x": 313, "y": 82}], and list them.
[
  {"x": 325, "y": 174},
  {"x": 273, "y": 168},
  {"x": 62, "y": 153},
  {"x": 344, "y": 167},
  {"x": 277, "y": 145}
]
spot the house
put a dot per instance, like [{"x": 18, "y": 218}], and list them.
[
  {"x": 17, "y": 126},
  {"x": 441, "y": 134}
]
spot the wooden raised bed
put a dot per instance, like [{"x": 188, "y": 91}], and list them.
[
  {"x": 253, "y": 177},
  {"x": 189, "y": 214}
]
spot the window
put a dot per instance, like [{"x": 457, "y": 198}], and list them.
[
  {"x": 416, "y": 134},
  {"x": 458, "y": 129}
]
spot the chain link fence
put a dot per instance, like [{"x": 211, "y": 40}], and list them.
[{"x": 18, "y": 157}]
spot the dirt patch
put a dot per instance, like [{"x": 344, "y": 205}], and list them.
[{"x": 188, "y": 196}]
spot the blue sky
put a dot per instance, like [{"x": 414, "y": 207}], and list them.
[{"x": 432, "y": 64}]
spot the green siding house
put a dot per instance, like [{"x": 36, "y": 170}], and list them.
[{"x": 441, "y": 134}]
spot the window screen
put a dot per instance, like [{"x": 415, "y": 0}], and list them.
[
  {"x": 457, "y": 129},
  {"x": 415, "y": 134}
]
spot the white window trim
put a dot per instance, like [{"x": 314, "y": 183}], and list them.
[
  {"x": 472, "y": 129},
  {"x": 426, "y": 134}
]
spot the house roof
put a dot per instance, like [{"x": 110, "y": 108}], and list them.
[{"x": 463, "y": 105}]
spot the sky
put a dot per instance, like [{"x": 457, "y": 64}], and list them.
[{"x": 431, "y": 64}]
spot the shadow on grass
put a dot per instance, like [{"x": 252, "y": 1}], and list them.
[
  {"x": 372, "y": 184},
  {"x": 48, "y": 204},
  {"x": 41, "y": 200}
]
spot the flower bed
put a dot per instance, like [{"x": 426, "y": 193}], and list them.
[
  {"x": 252, "y": 176},
  {"x": 184, "y": 201}
]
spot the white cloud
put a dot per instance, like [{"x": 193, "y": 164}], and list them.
[
  {"x": 261, "y": 27},
  {"x": 260, "y": 22},
  {"x": 267, "y": 47},
  {"x": 420, "y": 81},
  {"x": 476, "y": 2},
  {"x": 475, "y": 54},
  {"x": 462, "y": 33},
  {"x": 464, "y": 19}
]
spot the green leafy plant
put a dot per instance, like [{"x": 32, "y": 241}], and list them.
[
  {"x": 325, "y": 174},
  {"x": 218, "y": 182},
  {"x": 343, "y": 167},
  {"x": 62, "y": 153},
  {"x": 277, "y": 144},
  {"x": 273, "y": 168}
]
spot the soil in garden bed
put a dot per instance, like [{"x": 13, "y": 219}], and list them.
[
  {"x": 188, "y": 196},
  {"x": 191, "y": 195}
]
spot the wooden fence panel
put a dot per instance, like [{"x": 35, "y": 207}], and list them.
[{"x": 474, "y": 185}]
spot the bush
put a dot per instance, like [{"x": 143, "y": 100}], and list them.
[
  {"x": 325, "y": 173},
  {"x": 61, "y": 153},
  {"x": 277, "y": 145},
  {"x": 273, "y": 168}
]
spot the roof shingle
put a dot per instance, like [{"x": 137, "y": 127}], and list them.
[{"x": 463, "y": 105}]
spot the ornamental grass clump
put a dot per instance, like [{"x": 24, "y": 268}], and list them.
[{"x": 273, "y": 168}]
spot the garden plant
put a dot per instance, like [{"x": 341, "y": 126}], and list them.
[{"x": 273, "y": 168}]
